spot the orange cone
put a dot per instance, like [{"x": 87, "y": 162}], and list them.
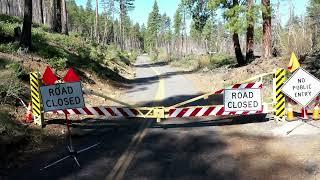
[
  {"x": 29, "y": 118},
  {"x": 304, "y": 113}
]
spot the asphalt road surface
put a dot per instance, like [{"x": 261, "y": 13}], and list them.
[{"x": 210, "y": 148}]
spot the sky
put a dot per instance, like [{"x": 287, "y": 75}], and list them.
[{"x": 144, "y": 7}]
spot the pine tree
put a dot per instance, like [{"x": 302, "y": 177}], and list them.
[
  {"x": 177, "y": 29},
  {"x": 125, "y": 6},
  {"x": 313, "y": 11},
  {"x": 154, "y": 20},
  {"x": 232, "y": 11}
]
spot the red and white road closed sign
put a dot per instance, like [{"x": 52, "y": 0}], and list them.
[{"x": 242, "y": 100}]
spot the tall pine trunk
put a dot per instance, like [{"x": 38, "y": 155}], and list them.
[
  {"x": 237, "y": 49},
  {"x": 64, "y": 17},
  {"x": 250, "y": 31},
  {"x": 41, "y": 12},
  {"x": 236, "y": 43},
  {"x": 122, "y": 19},
  {"x": 266, "y": 16},
  {"x": 97, "y": 22},
  {"x": 27, "y": 23},
  {"x": 57, "y": 16}
]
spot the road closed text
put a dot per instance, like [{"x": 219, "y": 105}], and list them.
[
  {"x": 242, "y": 100},
  {"x": 62, "y": 96}
]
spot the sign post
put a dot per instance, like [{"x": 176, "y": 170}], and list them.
[
  {"x": 64, "y": 96},
  {"x": 248, "y": 99}
]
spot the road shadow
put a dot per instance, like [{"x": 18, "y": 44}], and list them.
[
  {"x": 215, "y": 99},
  {"x": 113, "y": 137},
  {"x": 213, "y": 121}
]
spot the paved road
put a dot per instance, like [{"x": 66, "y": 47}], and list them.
[
  {"x": 155, "y": 84},
  {"x": 229, "y": 148}
]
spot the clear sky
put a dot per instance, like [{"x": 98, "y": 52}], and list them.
[{"x": 144, "y": 7}]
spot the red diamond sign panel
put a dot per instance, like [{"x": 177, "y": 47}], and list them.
[{"x": 302, "y": 87}]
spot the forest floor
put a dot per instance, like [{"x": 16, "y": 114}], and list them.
[
  {"x": 20, "y": 140},
  {"x": 104, "y": 70}
]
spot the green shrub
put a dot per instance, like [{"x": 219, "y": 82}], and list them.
[
  {"x": 10, "y": 19},
  {"x": 11, "y": 87},
  {"x": 9, "y": 47},
  {"x": 18, "y": 69},
  {"x": 219, "y": 60},
  {"x": 58, "y": 63},
  {"x": 133, "y": 55}
]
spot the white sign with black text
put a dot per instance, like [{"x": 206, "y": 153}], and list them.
[
  {"x": 62, "y": 96},
  {"x": 302, "y": 87},
  {"x": 242, "y": 100}
]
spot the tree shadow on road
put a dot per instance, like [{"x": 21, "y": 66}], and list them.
[
  {"x": 212, "y": 121},
  {"x": 194, "y": 154}
]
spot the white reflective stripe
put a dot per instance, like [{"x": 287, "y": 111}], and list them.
[
  {"x": 129, "y": 112},
  {"x": 93, "y": 111},
  {"x": 71, "y": 112},
  {"x": 105, "y": 112},
  {"x": 60, "y": 112},
  {"x": 216, "y": 110},
  {"x": 226, "y": 113},
  {"x": 242, "y": 86},
  {"x": 116, "y": 111},
  {"x": 176, "y": 112},
  {"x": 82, "y": 111},
  {"x": 202, "y": 111},
  {"x": 187, "y": 114},
  {"x": 256, "y": 85}
]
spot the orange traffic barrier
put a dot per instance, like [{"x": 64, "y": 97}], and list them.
[{"x": 29, "y": 118}]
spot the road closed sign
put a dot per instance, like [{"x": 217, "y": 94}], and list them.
[
  {"x": 62, "y": 96},
  {"x": 302, "y": 87},
  {"x": 242, "y": 100}
]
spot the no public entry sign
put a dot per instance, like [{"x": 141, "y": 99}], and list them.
[
  {"x": 242, "y": 100},
  {"x": 62, "y": 96},
  {"x": 302, "y": 87}
]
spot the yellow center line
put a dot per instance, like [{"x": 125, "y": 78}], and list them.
[
  {"x": 118, "y": 171},
  {"x": 161, "y": 90}
]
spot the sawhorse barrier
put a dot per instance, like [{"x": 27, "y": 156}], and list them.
[{"x": 278, "y": 104}]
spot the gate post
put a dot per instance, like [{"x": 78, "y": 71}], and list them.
[
  {"x": 37, "y": 110},
  {"x": 279, "y": 100}
]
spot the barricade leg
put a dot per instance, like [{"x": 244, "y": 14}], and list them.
[
  {"x": 278, "y": 96},
  {"x": 37, "y": 110}
]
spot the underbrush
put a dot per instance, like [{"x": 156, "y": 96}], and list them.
[
  {"x": 207, "y": 62},
  {"x": 11, "y": 83},
  {"x": 61, "y": 51}
]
